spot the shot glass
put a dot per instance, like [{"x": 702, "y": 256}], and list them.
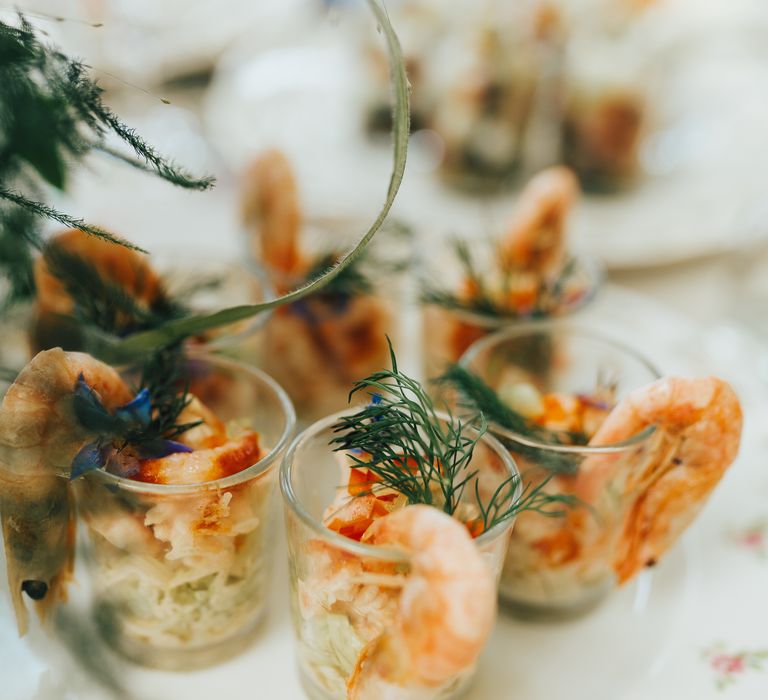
[
  {"x": 180, "y": 572},
  {"x": 200, "y": 285},
  {"x": 342, "y": 592},
  {"x": 449, "y": 330},
  {"x": 549, "y": 572},
  {"x": 209, "y": 285}
]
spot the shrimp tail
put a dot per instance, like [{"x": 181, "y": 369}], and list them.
[
  {"x": 270, "y": 208},
  {"x": 38, "y": 525},
  {"x": 535, "y": 239}
]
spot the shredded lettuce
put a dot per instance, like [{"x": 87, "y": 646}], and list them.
[{"x": 330, "y": 646}]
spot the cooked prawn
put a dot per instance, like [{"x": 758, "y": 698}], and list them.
[
  {"x": 698, "y": 425},
  {"x": 117, "y": 265},
  {"x": 270, "y": 207},
  {"x": 643, "y": 499},
  {"x": 39, "y": 437},
  {"x": 535, "y": 240},
  {"x": 126, "y": 268},
  {"x": 446, "y": 606}
]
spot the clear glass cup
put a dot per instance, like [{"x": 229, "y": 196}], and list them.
[
  {"x": 15, "y": 345},
  {"x": 448, "y": 332},
  {"x": 316, "y": 348},
  {"x": 546, "y": 574},
  {"x": 335, "y": 617},
  {"x": 180, "y": 572},
  {"x": 201, "y": 285},
  {"x": 206, "y": 285}
]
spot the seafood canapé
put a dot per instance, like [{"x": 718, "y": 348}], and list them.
[
  {"x": 176, "y": 564},
  {"x": 395, "y": 579},
  {"x": 639, "y": 467},
  {"x": 315, "y": 347},
  {"x": 527, "y": 273}
]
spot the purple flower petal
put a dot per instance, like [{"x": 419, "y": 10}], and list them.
[
  {"x": 162, "y": 448},
  {"x": 139, "y": 410},
  {"x": 90, "y": 457}
]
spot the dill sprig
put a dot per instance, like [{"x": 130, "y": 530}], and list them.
[
  {"x": 549, "y": 292},
  {"x": 51, "y": 116},
  {"x": 477, "y": 396},
  {"x": 162, "y": 376},
  {"x": 352, "y": 281},
  {"x": 402, "y": 441},
  {"x": 146, "y": 426},
  {"x": 16, "y": 259},
  {"x": 359, "y": 277}
]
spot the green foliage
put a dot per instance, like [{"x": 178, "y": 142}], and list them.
[
  {"x": 400, "y": 438},
  {"x": 51, "y": 116},
  {"x": 162, "y": 376},
  {"x": 21, "y": 45},
  {"x": 549, "y": 293},
  {"x": 478, "y": 396},
  {"x": 19, "y": 234}
]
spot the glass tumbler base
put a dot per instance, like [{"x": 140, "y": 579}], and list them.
[
  {"x": 455, "y": 691},
  {"x": 188, "y": 658},
  {"x": 556, "y": 611}
]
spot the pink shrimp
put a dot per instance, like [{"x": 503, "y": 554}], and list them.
[
  {"x": 640, "y": 498},
  {"x": 39, "y": 437},
  {"x": 698, "y": 428},
  {"x": 446, "y": 608},
  {"x": 270, "y": 208},
  {"x": 535, "y": 240}
]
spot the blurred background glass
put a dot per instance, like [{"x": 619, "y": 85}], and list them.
[{"x": 658, "y": 106}]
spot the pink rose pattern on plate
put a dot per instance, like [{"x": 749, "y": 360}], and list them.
[
  {"x": 729, "y": 667},
  {"x": 754, "y": 538}
]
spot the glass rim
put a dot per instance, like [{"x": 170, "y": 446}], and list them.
[
  {"x": 253, "y": 471},
  {"x": 256, "y": 322},
  {"x": 316, "y": 223},
  {"x": 550, "y": 327},
  {"x": 588, "y": 263},
  {"x": 292, "y": 501}
]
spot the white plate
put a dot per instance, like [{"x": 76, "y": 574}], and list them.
[{"x": 649, "y": 634}]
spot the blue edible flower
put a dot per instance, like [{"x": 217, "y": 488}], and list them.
[
  {"x": 133, "y": 417},
  {"x": 138, "y": 411},
  {"x": 162, "y": 448},
  {"x": 91, "y": 456}
]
